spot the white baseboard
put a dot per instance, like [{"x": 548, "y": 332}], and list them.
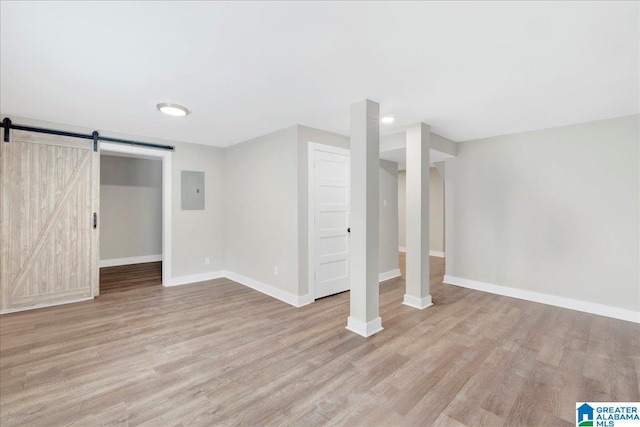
[
  {"x": 131, "y": 260},
  {"x": 419, "y": 303},
  {"x": 304, "y": 300},
  {"x": 270, "y": 290},
  {"x": 45, "y": 305},
  {"x": 194, "y": 278},
  {"x": 391, "y": 274},
  {"x": 570, "y": 303},
  {"x": 364, "y": 329},
  {"x": 294, "y": 300},
  {"x": 402, "y": 249}
]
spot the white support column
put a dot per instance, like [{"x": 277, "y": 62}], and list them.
[
  {"x": 417, "y": 284},
  {"x": 364, "y": 214}
]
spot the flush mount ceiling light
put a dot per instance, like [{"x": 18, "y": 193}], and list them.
[
  {"x": 389, "y": 118},
  {"x": 173, "y": 109}
]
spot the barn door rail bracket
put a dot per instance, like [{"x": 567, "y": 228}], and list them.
[
  {"x": 6, "y": 124},
  {"x": 95, "y": 136}
]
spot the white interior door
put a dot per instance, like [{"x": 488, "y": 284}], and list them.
[{"x": 330, "y": 212}]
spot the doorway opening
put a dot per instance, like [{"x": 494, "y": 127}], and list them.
[{"x": 135, "y": 212}]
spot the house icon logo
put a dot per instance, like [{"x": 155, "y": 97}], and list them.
[{"x": 585, "y": 415}]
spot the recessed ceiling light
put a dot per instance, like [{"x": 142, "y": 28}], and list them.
[
  {"x": 388, "y": 119},
  {"x": 173, "y": 109}
]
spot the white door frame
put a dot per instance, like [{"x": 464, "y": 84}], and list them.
[
  {"x": 165, "y": 156},
  {"x": 311, "y": 234}
]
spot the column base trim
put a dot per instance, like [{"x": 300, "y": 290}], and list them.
[
  {"x": 419, "y": 303},
  {"x": 364, "y": 329}
]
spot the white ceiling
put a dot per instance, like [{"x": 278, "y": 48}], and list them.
[{"x": 469, "y": 69}]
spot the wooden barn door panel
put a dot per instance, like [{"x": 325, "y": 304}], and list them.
[{"x": 49, "y": 191}]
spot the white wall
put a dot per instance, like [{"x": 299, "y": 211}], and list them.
[
  {"x": 554, "y": 211},
  {"x": 388, "y": 229},
  {"x": 261, "y": 209},
  {"x": 436, "y": 210},
  {"x": 402, "y": 209},
  {"x": 130, "y": 207},
  {"x": 198, "y": 234}
]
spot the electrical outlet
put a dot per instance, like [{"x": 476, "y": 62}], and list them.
[
  {"x": 385, "y": 202},
  {"x": 275, "y": 270},
  {"x": 207, "y": 260}
]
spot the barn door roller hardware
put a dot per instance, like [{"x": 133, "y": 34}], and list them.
[
  {"x": 95, "y": 141},
  {"x": 95, "y": 137}
]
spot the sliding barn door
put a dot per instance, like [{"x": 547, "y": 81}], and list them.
[{"x": 48, "y": 243}]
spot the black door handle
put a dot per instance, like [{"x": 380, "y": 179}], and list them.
[{"x": 349, "y": 230}]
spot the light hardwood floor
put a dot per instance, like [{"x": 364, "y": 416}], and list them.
[{"x": 218, "y": 353}]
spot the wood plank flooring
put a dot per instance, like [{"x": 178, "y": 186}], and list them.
[{"x": 218, "y": 353}]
